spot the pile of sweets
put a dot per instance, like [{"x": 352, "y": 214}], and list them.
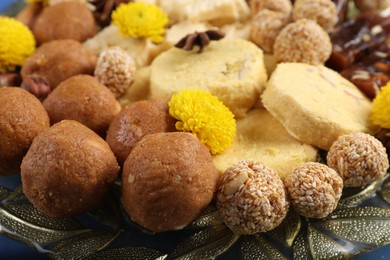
[{"x": 195, "y": 101}]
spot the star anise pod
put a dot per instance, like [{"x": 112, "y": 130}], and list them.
[
  {"x": 104, "y": 8},
  {"x": 201, "y": 39}
]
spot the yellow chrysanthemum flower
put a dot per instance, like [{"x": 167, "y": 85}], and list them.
[
  {"x": 16, "y": 43},
  {"x": 205, "y": 116},
  {"x": 381, "y": 108},
  {"x": 44, "y": 2},
  {"x": 140, "y": 20}
]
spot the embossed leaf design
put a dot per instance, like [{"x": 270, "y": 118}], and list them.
[
  {"x": 256, "y": 247},
  {"x": 20, "y": 220},
  {"x": 353, "y": 197},
  {"x": 385, "y": 191},
  {"x": 134, "y": 253},
  {"x": 369, "y": 225},
  {"x": 288, "y": 230},
  {"x": 209, "y": 218},
  {"x": 83, "y": 245},
  {"x": 205, "y": 244},
  {"x": 4, "y": 192},
  {"x": 313, "y": 244}
]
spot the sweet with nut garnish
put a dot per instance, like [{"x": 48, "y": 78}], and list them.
[
  {"x": 315, "y": 104},
  {"x": 314, "y": 189},
  {"x": 359, "y": 158},
  {"x": 168, "y": 179},
  {"x": 262, "y": 138},
  {"x": 251, "y": 198},
  {"x": 236, "y": 79},
  {"x": 68, "y": 170},
  {"x": 136, "y": 121}
]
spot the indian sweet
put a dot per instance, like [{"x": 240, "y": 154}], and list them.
[
  {"x": 168, "y": 179},
  {"x": 67, "y": 20},
  {"x": 58, "y": 60},
  {"x": 22, "y": 118},
  {"x": 68, "y": 170},
  {"x": 251, "y": 198},
  {"x": 84, "y": 99},
  {"x": 314, "y": 189},
  {"x": 359, "y": 158},
  {"x": 136, "y": 121}
]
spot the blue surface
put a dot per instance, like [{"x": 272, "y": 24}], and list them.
[{"x": 4, "y": 4}]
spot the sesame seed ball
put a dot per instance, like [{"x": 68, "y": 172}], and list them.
[
  {"x": 265, "y": 26},
  {"x": 251, "y": 198},
  {"x": 281, "y": 6},
  {"x": 314, "y": 189},
  {"x": 115, "y": 69},
  {"x": 303, "y": 41},
  {"x": 359, "y": 158},
  {"x": 323, "y": 12}
]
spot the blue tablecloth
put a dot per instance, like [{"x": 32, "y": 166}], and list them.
[{"x": 4, "y": 4}]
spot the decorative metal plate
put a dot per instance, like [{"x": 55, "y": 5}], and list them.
[{"x": 360, "y": 224}]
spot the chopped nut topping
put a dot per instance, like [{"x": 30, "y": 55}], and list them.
[
  {"x": 251, "y": 198},
  {"x": 37, "y": 85},
  {"x": 201, "y": 39}
]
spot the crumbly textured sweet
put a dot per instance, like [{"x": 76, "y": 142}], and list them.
[
  {"x": 315, "y": 104},
  {"x": 68, "y": 170},
  {"x": 168, "y": 179},
  {"x": 265, "y": 27},
  {"x": 82, "y": 98},
  {"x": 140, "y": 88},
  {"x": 115, "y": 69},
  {"x": 59, "y": 60},
  {"x": 140, "y": 49},
  {"x": 134, "y": 122},
  {"x": 323, "y": 12},
  {"x": 67, "y": 20},
  {"x": 251, "y": 198},
  {"x": 314, "y": 189},
  {"x": 262, "y": 138},
  {"x": 303, "y": 41},
  {"x": 217, "y": 12},
  {"x": 281, "y": 6},
  {"x": 22, "y": 118},
  {"x": 359, "y": 158},
  {"x": 236, "y": 79}
]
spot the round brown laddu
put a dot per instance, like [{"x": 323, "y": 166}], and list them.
[
  {"x": 134, "y": 122},
  {"x": 168, "y": 179},
  {"x": 58, "y": 60},
  {"x": 68, "y": 169},
  {"x": 22, "y": 118},
  {"x": 82, "y": 98},
  {"x": 66, "y": 20}
]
